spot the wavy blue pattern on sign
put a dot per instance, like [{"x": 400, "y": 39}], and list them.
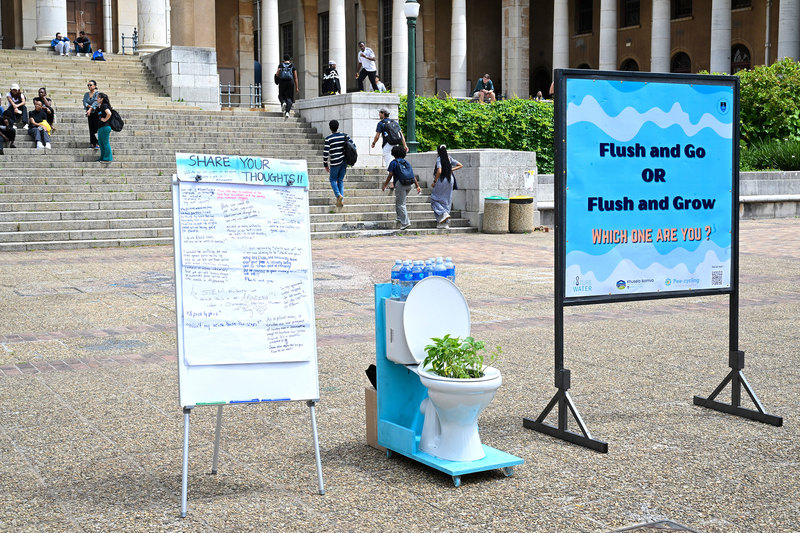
[{"x": 648, "y": 187}]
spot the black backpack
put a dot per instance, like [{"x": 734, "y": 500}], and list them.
[
  {"x": 394, "y": 135},
  {"x": 116, "y": 121},
  {"x": 286, "y": 71},
  {"x": 403, "y": 172},
  {"x": 350, "y": 152}
]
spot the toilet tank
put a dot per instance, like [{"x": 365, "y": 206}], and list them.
[{"x": 396, "y": 345}]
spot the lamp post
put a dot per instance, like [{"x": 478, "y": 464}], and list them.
[{"x": 411, "y": 10}]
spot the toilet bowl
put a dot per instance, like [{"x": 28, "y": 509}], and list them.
[{"x": 435, "y": 307}]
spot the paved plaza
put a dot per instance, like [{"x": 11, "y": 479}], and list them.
[{"x": 91, "y": 428}]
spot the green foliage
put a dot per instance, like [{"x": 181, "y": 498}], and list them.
[
  {"x": 771, "y": 155},
  {"x": 515, "y": 124},
  {"x": 451, "y": 357},
  {"x": 769, "y": 99}
]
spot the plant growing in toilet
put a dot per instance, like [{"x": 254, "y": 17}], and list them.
[{"x": 452, "y": 357}]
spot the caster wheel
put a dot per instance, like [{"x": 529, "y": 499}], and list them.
[
  {"x": 508, "y": 471},
  {"x": 457, "y": 481},
  {"x": 389, "y": 454}
]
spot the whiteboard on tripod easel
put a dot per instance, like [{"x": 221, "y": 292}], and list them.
[{"x": 243, "y": 280}]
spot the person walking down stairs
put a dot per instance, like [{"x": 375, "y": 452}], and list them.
[
  {"x": 334, "y": 149},
  {"x": 104, "y": 132}
]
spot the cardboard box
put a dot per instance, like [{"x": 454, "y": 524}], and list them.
[{"x": 371, "y": 410}]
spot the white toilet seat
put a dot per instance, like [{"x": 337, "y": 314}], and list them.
[{"x": 434, "y": 308}]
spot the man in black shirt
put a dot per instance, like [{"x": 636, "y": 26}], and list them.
[{"x": 83, "y": 45}]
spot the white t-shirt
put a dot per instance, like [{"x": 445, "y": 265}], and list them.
[{"x": 367, "y": 64}]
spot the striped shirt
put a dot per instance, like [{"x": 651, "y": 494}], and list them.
[{"x": 334, "y": 148}]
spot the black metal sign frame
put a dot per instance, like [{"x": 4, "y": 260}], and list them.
[{"x": 562, "y": 399}]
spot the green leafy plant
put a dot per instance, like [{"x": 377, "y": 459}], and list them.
[
  {"x": 514, "y": 124},
  {"x": 768, "y": 101},
  {"x": 452, "y": 357},
  {"x": 771, "y": 155}
]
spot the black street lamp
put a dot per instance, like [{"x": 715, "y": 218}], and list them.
[{"x": 411, "y": 10}]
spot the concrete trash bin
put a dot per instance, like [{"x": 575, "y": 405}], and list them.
[
  {"x": 520, "y": 214},
  {"x": 495, "y": 214}
]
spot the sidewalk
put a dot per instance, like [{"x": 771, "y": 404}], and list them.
[{"x": 91, "y": 431}]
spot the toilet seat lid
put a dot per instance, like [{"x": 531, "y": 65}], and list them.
[{"x": 434, "y": 308}]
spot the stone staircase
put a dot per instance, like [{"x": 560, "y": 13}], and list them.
[{"x": 63, "y": 198}]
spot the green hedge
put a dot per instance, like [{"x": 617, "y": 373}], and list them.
[
  {"x": 516, "y": 124},
  {"x": 769, "y": 102}
]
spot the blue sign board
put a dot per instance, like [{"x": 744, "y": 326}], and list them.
[{"x": 648, "y": 170}]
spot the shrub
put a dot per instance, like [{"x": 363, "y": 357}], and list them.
[
  {"x": 769, "y": 97},
  {"x": 516, "y": 124},
  {"x": 771, "y": 155}
]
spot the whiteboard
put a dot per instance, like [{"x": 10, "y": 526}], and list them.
[{"x": 243, "y": 280}]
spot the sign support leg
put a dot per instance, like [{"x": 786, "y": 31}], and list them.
[
  {"x": 311, "y": 404},
  {"x": 737, "y": 380},
  {"x": 217, "y": 432},
  {"x": 562, "y": 397},
  {"x": 185, "y": 478}
]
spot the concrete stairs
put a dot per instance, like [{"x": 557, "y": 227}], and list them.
[{"x": 63, "y": 198}]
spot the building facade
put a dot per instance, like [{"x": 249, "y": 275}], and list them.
[{"x": 519, "y": 42}]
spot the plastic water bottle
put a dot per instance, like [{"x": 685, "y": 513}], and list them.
[
  {"x": 405, "y": 280},
  {"x": 398, "y": 264},
  {"x": 417, "y": 273},
  {"x": 428, "y": 268},
  {"x": 439, "y": 269},
  {"x": 451, "y": 269}
]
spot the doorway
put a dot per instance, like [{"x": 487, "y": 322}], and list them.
[{"x": 86, "y": 15}]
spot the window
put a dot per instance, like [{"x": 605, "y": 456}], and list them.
[
  {"x": 681, "y": 63},
  {"x": 324, "y": 45},
  {"x": 630, "y": 13},
  {"x": 583, "y": 16},
  {"x": 681, "y": 8},
  {"x": 740, "y": 58},
  {"x": 385, "y": 64},
  {"x": 629, "y": 65},
  {"x": 287, "y": 39}
]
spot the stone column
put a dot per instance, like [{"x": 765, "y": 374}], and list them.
[
  {"x": 458, "y": 49},
  {"x": 270, "y": 50},
  {"x": 108, "y": 22},
  {"x": 152, "y": 25},
  {"x": 607, "y": 59},
  {"x": 337, "y": 44},
  {"x": 660, "y": 38},
  {"x": 721, "y": 36},
  {"x": 516, "y": 41},
  {"x": 399, "y": 49},
  {"x": 560, "y": 34},
  {"x": 51, "y": 18},
  {"x": 789, "y": 29}
]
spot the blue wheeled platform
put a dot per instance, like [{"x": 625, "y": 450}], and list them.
[{"x": 400, "y": 394}]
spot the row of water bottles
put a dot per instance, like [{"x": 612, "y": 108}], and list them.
[{"x": 406, "y": 274}]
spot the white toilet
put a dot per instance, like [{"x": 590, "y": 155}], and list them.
[{"x": 434, "y": 308}]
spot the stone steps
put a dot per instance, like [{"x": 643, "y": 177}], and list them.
[{"x": 63, "y": 198}]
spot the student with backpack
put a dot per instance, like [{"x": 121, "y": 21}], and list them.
[
  {"x": 392, "y": 135},
  {"x": 288, "y": 86},
  {"x": 403, "y": 175},
  {"x": 335, "y": 150}
]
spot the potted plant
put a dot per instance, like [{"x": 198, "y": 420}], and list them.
[{"x": 452, "y": 357}]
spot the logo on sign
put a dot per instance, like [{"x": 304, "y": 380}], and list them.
[
  {"x": 723, "y": 106},
  {"x": 621, "y": 284},
  {"x": 668, "y": 282}
]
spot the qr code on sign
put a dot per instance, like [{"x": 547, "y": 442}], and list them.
[{"x": 716, "y": 277}]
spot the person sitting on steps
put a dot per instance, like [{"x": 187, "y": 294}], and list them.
[
  {"x": 60, "y": 45},
  {"x": 484, "y": 89},
  {"x": 38, "y": 130},
  {"x": 48, "y": 105},
  {"x": 83, "y": 45},
  {"x": 7, "y": 132},
  {"x": 17, "y": 111}
]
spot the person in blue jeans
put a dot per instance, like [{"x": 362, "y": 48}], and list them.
[
  {"x": 333, "y": 153},
  {"x": 104, "y": 132}
]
